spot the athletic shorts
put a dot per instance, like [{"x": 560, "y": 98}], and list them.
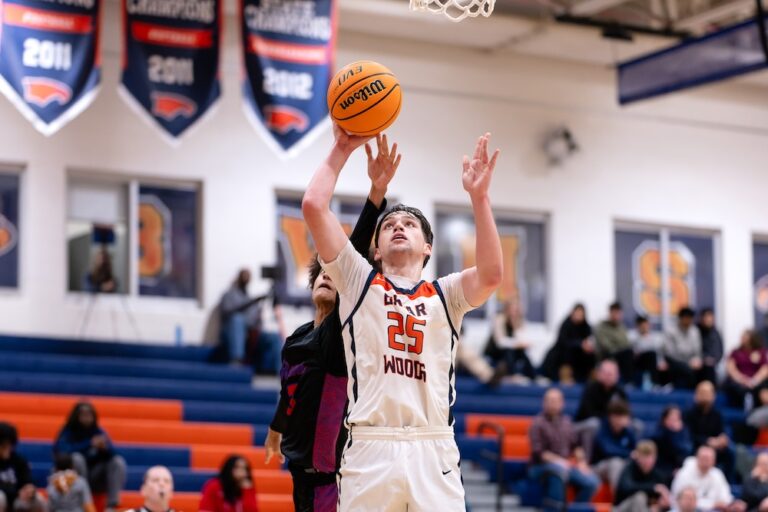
[
  {"x": 401, "y": 469},
  {"x": 313, "y": 491}
]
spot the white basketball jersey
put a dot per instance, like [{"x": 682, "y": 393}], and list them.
[{"x": 400, "y": 345}]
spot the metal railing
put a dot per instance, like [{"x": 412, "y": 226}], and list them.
[{"x": 498, "y": 457}]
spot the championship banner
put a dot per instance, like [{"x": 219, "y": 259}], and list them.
[
  {"x": 171, "y": 61},
  {"x": 49, "y": 59},
  {"x": 288, "y": 53}
]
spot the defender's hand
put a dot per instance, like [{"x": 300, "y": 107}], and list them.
[
  {"x": 382, "y": 169},
  {"x": 272, "y": 444}
]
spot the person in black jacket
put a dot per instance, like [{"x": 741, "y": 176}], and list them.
[
  {"x": 673, "y": 441},
  {"x": 572, "y": 357},
  {"x": 754, "y": 492},
  {"x": 307, "y": 427},
  {"x": 16, "y": 488},
  {"x": 641, "y": 486},
  {"x": 708, "y": 428},
  {"x": 711, "y": 346}
]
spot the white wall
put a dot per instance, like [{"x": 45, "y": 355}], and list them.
[{"x": 694, "y": 159}]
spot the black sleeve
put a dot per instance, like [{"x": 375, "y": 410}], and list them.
[
  {"x": 366, "y": 227},
  {"x": 332, "y": 344},
  {"x": 753, "y": 492},
  {"x": 629, "y": 485},
  {"x": 586, "y": 404},
  {"x": 280, "y": 419},
  {"x": 23, "y": 473}
]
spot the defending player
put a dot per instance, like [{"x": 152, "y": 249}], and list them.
[
  {"x": 400, "y": 336},
  {"x": 308, "y": 421}
]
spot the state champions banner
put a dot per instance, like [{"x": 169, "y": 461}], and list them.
[
  {"x": 288, "y": 48},
  {"x": 171, "y": 61},
  {"x": 49, "y": 58}
]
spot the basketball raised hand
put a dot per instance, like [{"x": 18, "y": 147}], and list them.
[
  {"x": 346, "y": 142},
  {"x": 382, "y": 168},
  {"x": 476, "y": 177}
]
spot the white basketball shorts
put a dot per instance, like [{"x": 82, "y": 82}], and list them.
[{"x": 409, "y": 469}]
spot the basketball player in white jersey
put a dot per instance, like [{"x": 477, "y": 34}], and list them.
[{"x": 400, "y": 335}]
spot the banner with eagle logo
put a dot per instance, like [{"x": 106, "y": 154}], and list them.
[
  {"x": 288, "y": 48},
  {"x": 49, "y": 58},
  {"x": 171, "y": 61}
]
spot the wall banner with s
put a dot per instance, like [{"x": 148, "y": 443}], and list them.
[
  {"x": 288, "y": 50},
  {"x": 167, "y": 242},
  {"x": 171, "y": 61},
  {"x": 49, "y": 59},
  {"x": 760, "y": 276},
  {"x": 9, "y": 230}
]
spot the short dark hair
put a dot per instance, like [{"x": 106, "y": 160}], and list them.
[
  {"x": 640, "y": 319},
  {"x": 615, "y": 306},
  {"x": 686, "y": 312},
  {"x": 8, "y": 434},
  {"x": 426, "y": 227},
  {"x": 63, "y": 461},
  {"x": 314, "y": 270},
  {"x": 618, "y": 408}
]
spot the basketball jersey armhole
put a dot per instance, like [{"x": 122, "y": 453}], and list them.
[
  {"x": 360, "y": 299},
  {"x": 445, "y": 306}
]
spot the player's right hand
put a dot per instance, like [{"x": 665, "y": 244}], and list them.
[
  {"x": 272, "y": 444},
  {"x": 346, "y": 142}
]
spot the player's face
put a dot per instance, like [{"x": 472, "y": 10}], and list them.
[
  {"x": 323, "y": 291},
  {"x": 401, "y": 234},
  {"x": 158, "y": 487}
]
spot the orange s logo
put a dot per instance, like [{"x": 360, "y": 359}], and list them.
[
  {"x": 761, "y": 294},
  {"x": 154, "y": 237},
  {"x": 646, "y": 270},
  {"x": 8, "y": 235},
  {"x": 510, "y": 249}
]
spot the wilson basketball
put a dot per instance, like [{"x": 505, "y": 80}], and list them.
[{"x": 364, "y": 98}]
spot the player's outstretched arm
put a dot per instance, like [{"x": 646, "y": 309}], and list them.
[
  {"x": 326, "y": 230},
  {"x": 480, "y": 281}
]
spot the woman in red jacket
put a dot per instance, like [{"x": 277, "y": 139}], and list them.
[{"x": 232, "y": 490}]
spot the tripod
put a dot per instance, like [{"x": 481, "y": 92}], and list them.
[{"x": 93, "y": 297}]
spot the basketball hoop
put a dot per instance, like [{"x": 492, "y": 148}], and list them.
[{"x": 455, "y": 10}]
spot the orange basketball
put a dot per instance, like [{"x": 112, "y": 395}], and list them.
[{"x": 364, "y": 98}]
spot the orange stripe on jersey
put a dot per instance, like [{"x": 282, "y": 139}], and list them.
[{"x": 425, "y": 289}]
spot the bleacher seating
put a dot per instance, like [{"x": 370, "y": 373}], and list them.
[{"x": 167, "y": 405}]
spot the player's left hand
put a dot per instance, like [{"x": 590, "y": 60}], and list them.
[
  {"x": 272, "y": 445},
  {"x": 476, "y": 177},
  {"x": 382, "y": 169}
]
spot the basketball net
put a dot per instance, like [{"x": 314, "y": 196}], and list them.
[{"x": 455, "y": 10}]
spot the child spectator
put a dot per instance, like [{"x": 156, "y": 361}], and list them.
[
  {"x": 232, "y": 490},
  {"x": 613, "y": 444},
  {"x": 68, "y": 491}
]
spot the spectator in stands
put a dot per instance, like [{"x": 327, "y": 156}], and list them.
[
  {"x": 471, "y": 361},
  {"x": 754, "y": 492},
  {"x": 641, "y": 486},
  {"x": 101, "y": 279},
  {"x": 747, "y": 369},
  {"x": 17, "y": 492},
  {"x": 708, "y": 428},
  {"x": 92, "y": 452},
  {"x": 232, "y": 490},
  {"x": 646, "y": 345},
  {"x": 573, "y": 355},
  {"x": 764, "y": 329},
  {"x": 599, "y": 393},
  {"x": 682, "y": 351},
  {"x": 686, "y": 501},
  {"x": 157, "y": 490},
  {"x": 611, "y": 341},
  {"x": 507, "y": 344},
  {"x": 711, "y": 346},
  {"x": 240, "y": 317},
  {"x": 556, "y": 456},
  {"x": 613, "y": 443},
  {"x": 700, "y": 474},
  {"x": 68, "y": 491},
  {"x": 673, "y": 441}
]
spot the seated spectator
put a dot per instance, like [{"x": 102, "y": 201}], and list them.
[
  {"x": 747, "y": 369},
  {"x": 707, "y": 427},
  {"x": 700, "y": 474},
  {"x": 641, "y": 486},
  {"x": 17, "y": 492},
  {"x": 754, "y": 492},
  {"x": 556, "y": 456},
  {"x": 613, "y": 444},
  {"x": 507, "y": 344},
  {"x": 611, "y": 341},
  {"x": 763, "y": 330},
  {"x": 157, "y": 490},
  {"x": 682, "y": 352},
  {"x": 240, "y": 317},
  {"x": 232, "y": 490},
  {"x": 711, "y": 346},
  {"x": 572, "y": 357},
  {"x": 93, "y": 455},
  {"x": 599, "y": 393},
  {"x": 673, "y": 441},
  {"x": 68, "y": 491},
  {"x": 686, "y": 501},
  {"x": 758, "y": 417},
  {"x": 646, "y": 345}
]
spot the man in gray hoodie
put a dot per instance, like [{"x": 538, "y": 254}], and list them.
[{"x": 682, "y": 351}]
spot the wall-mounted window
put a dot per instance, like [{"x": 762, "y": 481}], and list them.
[
  {"x": 133, "y": 237},
  {"x": 523, "y": 243},
  {"x": 660, "y": 270},
  {"x": 9, "y": 228},
  {"x": 760, "y": 276}
]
